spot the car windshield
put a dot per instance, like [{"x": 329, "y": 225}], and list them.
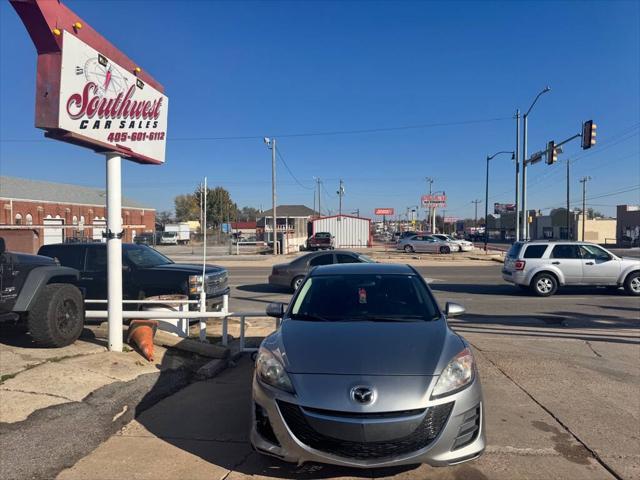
[
  {"x": 323, "y": 235},
  {"x": 364, "y": 298},
  {"x": 142, "y": 256}
]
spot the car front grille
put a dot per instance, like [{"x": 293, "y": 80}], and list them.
[
  {"x": 469, "y": 429},
  {"x": 216, "y": 282},
  {"x": 433, "y": 422}
]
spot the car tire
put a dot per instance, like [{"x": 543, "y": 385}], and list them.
[
  {"x": 57, "y": 318},
  {"x": 408, "y": 249},
  {"x": 296, "y": 282},
  {"x": 445, "y": 250},
  {"x": 544, "y": 284},
  {"x": 632, "y": 284}
]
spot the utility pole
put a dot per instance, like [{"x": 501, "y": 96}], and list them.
[
  {"x": 517, "y": 174},
  {"x": 568, "y": 205},
  {"x": 340, "y": 193},
  {"x": 584, "y": 181},
  {"x": 271, "y": 143},
  {"x": 319, "y": 207},
  {"x": 431, "y": 219},
  {"x": 475, "y": 218}
]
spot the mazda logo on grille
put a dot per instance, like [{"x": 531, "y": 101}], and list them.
[{"x": 363, "y": 395}]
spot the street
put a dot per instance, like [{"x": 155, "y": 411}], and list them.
[{"x": 560, "y": 375}]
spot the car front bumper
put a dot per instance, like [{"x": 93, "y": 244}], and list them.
[{"x": 463, "y": 409}]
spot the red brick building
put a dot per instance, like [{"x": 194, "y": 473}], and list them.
[{"x": 56, "y": 212}]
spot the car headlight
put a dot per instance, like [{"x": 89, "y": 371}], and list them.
[
  {"x": 195, "y": 284},
  {"x": 456, "y": 375},
  {"x": 271, "y": 371}
]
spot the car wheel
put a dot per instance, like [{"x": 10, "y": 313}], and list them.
[
  {"x": 632, "y": 284},
  {"x": 57, "y": 318},
  {"x": 544, "y": 285},
  {"x": 408, "y": 249},
  {"x": 295, "y": 284},
  {"x": 445, "y": 250}
]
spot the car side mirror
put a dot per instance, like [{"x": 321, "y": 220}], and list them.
[
  {"x": 126, "y": 268},
  {"x": 453, "y": 309},
  {"x": 275, "y": 309}
]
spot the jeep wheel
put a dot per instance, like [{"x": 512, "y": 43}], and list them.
[
  {"x": 408, "y": 249},
  {"x": 632, "y": 284},
  {"x": 57, "y": 318},
  {"x": 544, "y": 285},
  {"x": 445, "y": 250}
]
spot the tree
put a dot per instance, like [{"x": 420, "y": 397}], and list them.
[
  {"x": 187, "y": 208},
  {"x": 163, "y": 217},
  {"x": 220, "y": 207},
  {"x": 247, "y": 214}
]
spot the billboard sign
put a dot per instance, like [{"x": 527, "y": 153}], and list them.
[
  {"x": 500, "y": 208},
  {"x": 434, "y": 201},
  {"x": 451, "y": 219},
  {"x": 109, "y": 106},
  {"x": 384, "y": 211}
]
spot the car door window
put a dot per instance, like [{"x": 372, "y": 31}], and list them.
[
  {"x": 591, "y": 252},
  {"x": 344, "y": 258},
  {"x": 67, "y": 256},
  {"x": 96, "y": 260},
  {"x": 326, "y": 259},
  {"x": 571, "y": 252}
]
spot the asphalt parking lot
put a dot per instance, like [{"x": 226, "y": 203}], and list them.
[{"x": 561, "y": 378}]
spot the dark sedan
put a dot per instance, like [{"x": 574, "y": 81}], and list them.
[{"x": 292, "y": 274}]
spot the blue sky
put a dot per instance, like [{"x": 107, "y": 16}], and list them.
[{"x": 250, "y": 69}]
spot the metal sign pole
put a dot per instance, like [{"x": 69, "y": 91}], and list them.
[{"x": 114, "y": 250}]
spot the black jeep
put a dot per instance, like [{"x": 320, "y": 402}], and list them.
[
  {"x": 145, "y": 273},
  {"x": 40, "y": 291}
]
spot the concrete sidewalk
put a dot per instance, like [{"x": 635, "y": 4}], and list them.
[
  {"x": 57, "y": 405},
  {"x": 201, "y": 433}
]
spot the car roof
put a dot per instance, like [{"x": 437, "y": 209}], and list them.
[{"x": 363, "y": 269}]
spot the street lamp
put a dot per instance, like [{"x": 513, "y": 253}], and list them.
[
  {"x": 525, "y": 217},
  {"x": 271, "y": 144},
  {"x": 486, "y": 195}
]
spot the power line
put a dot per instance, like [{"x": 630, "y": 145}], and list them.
[
  {"x": 279, "y": 153},
  {"x": 309, "y": 134}
]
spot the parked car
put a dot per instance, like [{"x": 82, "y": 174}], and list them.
[
  {"x": 148, "y": 238},
  {"x": 145, "y": 273},
  {"x": 292, "y": 274},
  {"x": 320, "y": 241},
  {"x": 40, "y": 292},
  {"x": 463, "y": 245},
  {"x": 365, "y": 372},
  {"x": 425, "y": 244},
  {"x": 543, "y": 266}
]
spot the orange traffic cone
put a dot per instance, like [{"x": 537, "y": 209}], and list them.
[{"x": 141, "y": 332}]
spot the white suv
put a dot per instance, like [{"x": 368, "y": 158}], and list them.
[{"x": 544, "y": 266}]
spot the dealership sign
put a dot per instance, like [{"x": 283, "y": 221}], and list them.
[
  {"x": 434, "y": 201},
  {"x": 500, "y": 208},
  {"x": 384, "y": 211},
  {"x": 104, "y": 103}
]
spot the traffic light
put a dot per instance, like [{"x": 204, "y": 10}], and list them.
[
  {"x": 588, "y": 134},
  {"x": 552, "y": 153}
]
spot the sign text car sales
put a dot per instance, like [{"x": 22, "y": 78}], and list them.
[{"x": 103, "y": 102}]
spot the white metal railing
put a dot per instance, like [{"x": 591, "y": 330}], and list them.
[{"x": 201, "y": 314}]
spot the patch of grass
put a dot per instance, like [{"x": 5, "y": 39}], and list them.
[{"x": 8, "y": 376}]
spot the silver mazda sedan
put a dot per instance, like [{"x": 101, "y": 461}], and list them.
[{"x": 365, "y": 372}]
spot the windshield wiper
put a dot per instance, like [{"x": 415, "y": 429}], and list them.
[
  {"x": 404, "y": 318},
  {"x": 308, "y": 316}
]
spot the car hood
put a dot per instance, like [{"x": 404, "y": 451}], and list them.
[
  {"x": 186, "y": 268},
  {"x": 365, "y": 348},
  {"x": 24, "y": 258},
  {"x": 630, "y": 259}
]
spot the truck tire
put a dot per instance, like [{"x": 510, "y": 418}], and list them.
[
  {"x": 297, "y": 281},
  {"x": 632, "y": 284},
  {"x": 57, "y": 318}
]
